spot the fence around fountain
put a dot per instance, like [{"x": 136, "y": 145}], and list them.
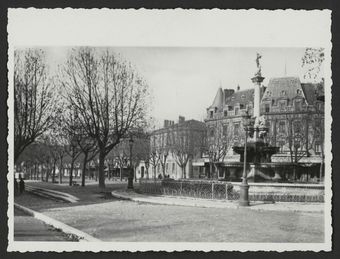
[{"x": 220, "y": 190}]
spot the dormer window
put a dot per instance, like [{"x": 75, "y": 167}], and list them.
[
  {"x": 283, "y": 93},
  {"x": 211, "y": 114},
  {"x": 297, "y": 105},
  {"x": 269, "y": 93},
  {"x": 298, "y": 92},
  {"x": 215, "y": 109}
]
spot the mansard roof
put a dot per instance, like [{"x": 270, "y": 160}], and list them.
[
  {"x": 241, "y": 97},
  {"x": 313, "y": 91},
  {"x": 284, "y": 87}
]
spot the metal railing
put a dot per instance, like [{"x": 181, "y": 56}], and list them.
[{"x": 217, "y": 190}]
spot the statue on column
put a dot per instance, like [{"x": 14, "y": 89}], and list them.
[{"x": 258, "y": 65}]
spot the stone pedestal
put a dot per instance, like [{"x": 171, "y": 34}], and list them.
[{"x": 257, "y": 80}]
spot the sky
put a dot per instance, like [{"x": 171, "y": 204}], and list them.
[{"x": 184, "y": 81}]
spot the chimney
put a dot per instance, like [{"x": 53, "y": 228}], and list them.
[
  {"x": 181, "y": 119},
  {"x": 166, "y": 123},
  {"x": 238, "y": 88}
]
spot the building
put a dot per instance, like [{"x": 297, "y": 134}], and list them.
[
  {"x": 173, "y": 148},
  {"x": 294, "y": 114}
]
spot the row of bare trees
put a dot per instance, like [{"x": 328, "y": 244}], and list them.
[
  {"x": 181, "y": 142},
  {"x": 92, "y": 103}
]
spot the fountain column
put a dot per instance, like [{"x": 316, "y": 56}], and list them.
[{"x": 257, "y": 80}]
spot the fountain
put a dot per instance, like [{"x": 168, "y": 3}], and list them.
[{"x": 258, "y": 152}]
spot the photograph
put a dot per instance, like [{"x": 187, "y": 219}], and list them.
[{"x": 157, "y": 142}]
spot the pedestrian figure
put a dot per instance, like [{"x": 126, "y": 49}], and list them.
[
  {"x": 21, "y": 185},
  {"x": 16, "y": 188}
]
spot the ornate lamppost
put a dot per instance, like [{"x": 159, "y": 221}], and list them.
[
  {"x": 130, "y": 177},
  {"x": 244, "y": 187}
]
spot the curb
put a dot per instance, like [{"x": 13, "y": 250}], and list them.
[
  {"x": 55, "y": 194},
  {"x": 193, "y": 204},
  {"x": 58, "y": 225}
]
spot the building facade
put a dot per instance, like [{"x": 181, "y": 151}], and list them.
[
  {"x": 294, "y": 115},
  {"x": 173, "y": 148}
]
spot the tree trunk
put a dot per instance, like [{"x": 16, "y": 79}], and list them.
[
  {"x": 147, "y": 172},
  {"x": 210, "y": 170},
  {"x": 71, "y": 173},
  {"x": 184, "y": 172},
  {"x": 163, "y": 171},
  {"x": 84, "y": 169},
  {"x": 135, "y": 174},
  {"x": 61, "y": 171},
  {"x": 35, "y": 171},
  {"x": 154, "y": 172},
  {"x": 53, "y": 173},
  {"x": 101, "y": 175}
]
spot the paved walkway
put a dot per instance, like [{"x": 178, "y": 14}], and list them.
[
  {"x": 28, "y": 228},
  {"x": 206, "y": 203}
]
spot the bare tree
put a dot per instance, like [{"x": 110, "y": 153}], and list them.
[
  {"x": 153, "y": 157},
  {"x": 186, "y": 143},
  {"x": 108, "y": 95},
  {"x": 33, "y": 98},
  {"x": 120, "y": 154},
  {"x": 219, "y": 142},
  {"x": 163, "y": 150},
  {"x": 89, "y": 150},
  {"x": 319, "y": 135}
]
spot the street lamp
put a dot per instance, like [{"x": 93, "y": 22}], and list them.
[
  {"x": 130, "y": 177},
  {"x": 244, "y": 187}
]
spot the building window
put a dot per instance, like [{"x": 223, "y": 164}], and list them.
[
  {"x": 297, "y": 105},
  {"x": 211, "y": 132},
  {"x": 282, "y": 105},
  {"x": 317, "y": 148},
  {"x": 225, "y": 130},
  {"x": 211, "y": 114},
  {"x": 215, "y": 109},
  {"x": 297, "y": 127},
  {"x": 241, "y": 106},
  {"x": 225, "y": 113},
  {"x": 267, "y": 107},
  {"x": 230, "y": 108},
  {"x": 236, "y": 129},
  {"x": 282, "y": 126},
  {"x": 283, "y": 93},
  {"x": 236, "y": 111}
]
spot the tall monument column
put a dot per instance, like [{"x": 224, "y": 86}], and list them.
[{"x": 257, "y": 80}]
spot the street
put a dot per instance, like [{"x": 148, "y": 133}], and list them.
[{"x": 27, "y": 228}]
